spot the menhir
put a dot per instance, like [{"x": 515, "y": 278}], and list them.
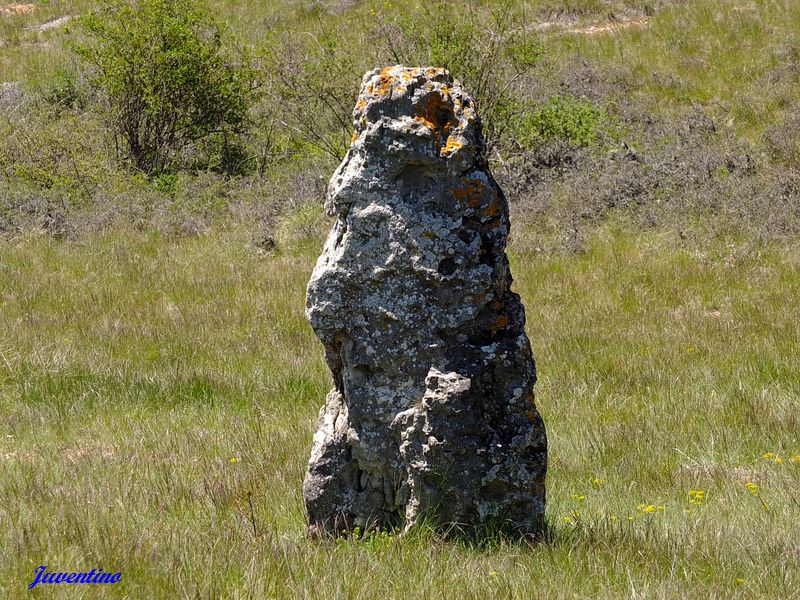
[{"x": 432, "y": 414}]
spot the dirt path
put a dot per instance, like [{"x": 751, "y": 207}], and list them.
[
  {"x": 594, "y": 29},
  {"x": 13, "y": 9},
  {"x": 52, "y": 24}
]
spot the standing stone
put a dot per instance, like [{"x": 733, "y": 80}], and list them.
[{"x": 432, "y": 413}]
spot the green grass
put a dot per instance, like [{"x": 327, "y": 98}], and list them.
[
  {"x": 706, "y": 53},
  {"x": 713, "y": 53},
  {"x": 133, "y": 368}
]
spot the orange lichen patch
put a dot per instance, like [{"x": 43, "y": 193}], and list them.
[
  {"x": 438, "y": 110},
  {"x": 425, "y": 122},
  {"x": 452, "y": 145},
  {"x": 499, "y": 323},
  {"x": 496, "y": 304},
  {"x": 362, "y": 102},
  {"x": 471, "y": 191},
  {"x": 494, "y": 223},
  {"x": 531, "y": 416},
  {"x": 384, "y": 87},
  {"x": 355, "y": 137},
  {"x": 385, "y": 82},
  {"x": 493, "y": 208},
  {"x": 532, "y": 397},
  {"x": 17, "y": 9}
]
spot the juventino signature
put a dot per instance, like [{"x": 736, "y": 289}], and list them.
[{"x": 42, "y": 576}]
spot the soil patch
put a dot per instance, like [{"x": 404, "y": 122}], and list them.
[{"x": 17, "y": 9}]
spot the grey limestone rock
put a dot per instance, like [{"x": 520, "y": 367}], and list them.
[{"x": 432, "y": 414}]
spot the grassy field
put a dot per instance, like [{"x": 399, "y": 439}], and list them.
[
  {"x": 158, "y": 399},
  {"x": 159, "y": 383}
]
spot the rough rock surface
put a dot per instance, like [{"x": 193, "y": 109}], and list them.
[{"x": 432, "y": 414}]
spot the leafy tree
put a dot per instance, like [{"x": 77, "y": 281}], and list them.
[{"x": 169, "y": 82}]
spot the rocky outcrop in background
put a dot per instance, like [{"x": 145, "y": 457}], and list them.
[{"x": 432, "y": 413}]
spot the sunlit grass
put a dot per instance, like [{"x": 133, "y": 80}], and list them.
[
  {"x": 703, "y": 53},
  {"x": 134, "y": 368},
  {"x": 158, "y": 396},
  {"x": 713, "y": 53}
]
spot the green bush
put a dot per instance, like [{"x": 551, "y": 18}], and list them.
[
  {"x": 564, "y": 117},
  {"x": 47, "y": 149},
  {"x": 62, "y": 89},
  {"x": 487, "y": 49},
  {"x": 313, "y": 83},
  {"x": 169, "y": 81}
]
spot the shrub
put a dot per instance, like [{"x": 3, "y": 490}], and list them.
[
  {"x": 47, "y": 150},
  {"x": 489, "y": 53},
  {"x": 781, "y": 140},
  {"x": 319, "y": 73},
  {"x": 62, "y": 89},
  {"x": 168, "y": 79},
  {"x": 562, "y": 117},
  {"x": 314, "y": 82}
]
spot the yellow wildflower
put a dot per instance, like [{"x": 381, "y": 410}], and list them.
[
  {"x": 769, "y": 455},
  {"x": 752, "y": 487},
  {"x": 233, "y": 459},
  {"x": 696, "y": 496},
  {"x": 578, "y": 497},
  {"x": 796, "y": 459},
  {"x": 739, "y": 581}
]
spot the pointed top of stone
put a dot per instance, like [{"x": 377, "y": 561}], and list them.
[{"x": 424, "y": 102}]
